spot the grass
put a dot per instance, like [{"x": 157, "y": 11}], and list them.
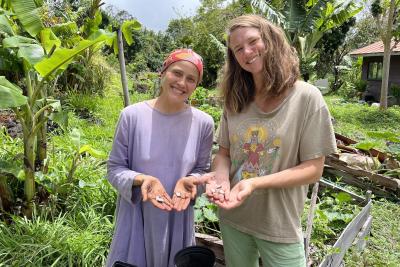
[{"x": 355, "y": 120}]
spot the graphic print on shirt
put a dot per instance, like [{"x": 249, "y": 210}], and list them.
[{"x": 256, "y": 147}]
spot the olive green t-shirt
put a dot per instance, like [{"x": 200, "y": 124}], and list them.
[{"x": 260, "y": 143}]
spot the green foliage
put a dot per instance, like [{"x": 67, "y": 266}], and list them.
[
  {"x": 206, "y": 101},
  {"x": 58, "y": 241},
  {"x": 86, "y": 76},
  {"x": 333, "y": 212},
  {"x": 205, "y": 217},
  {"x": 395, "y": 91},
  {"x": 199, "y": 96},
  {"x": 376, "y": 8},
  {"x": 353, "y": 85},
  {"x": 360, "y": 85},
  {"x": 10, "y": 95},
  {"x": 355, "y": 120}
]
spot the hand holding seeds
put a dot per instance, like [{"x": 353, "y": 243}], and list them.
[
  {"x": 185, "y": 190},
  {"x": 154, "y": 191},
  {"x": 217, "y": 188}
]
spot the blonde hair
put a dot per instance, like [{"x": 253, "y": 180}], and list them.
[{"x": 281, "y": 65}]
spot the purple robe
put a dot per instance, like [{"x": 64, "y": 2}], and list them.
[{"x": 166, "y": 146}]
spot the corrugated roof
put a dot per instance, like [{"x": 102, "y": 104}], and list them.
[{"x": 375, "y": 49}]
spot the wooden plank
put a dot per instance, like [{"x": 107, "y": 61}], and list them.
[
  {"x": 360, "y": 240},
  {"x": 366, "y": 185},
  {"x": 347, "y": 237},
  {"x": 392, "y": 183},
  {"x": 325, "y": 183},
  {"x": 347, "y": 141}
]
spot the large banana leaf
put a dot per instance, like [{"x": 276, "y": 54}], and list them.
[
  {"x": 5, "y": 25},
  {"x": 294, "y": 15},
  {"x": 10, "y": 94},
  {"x": 32, "y": 54},
  {"x": 347, "y": 12},
  {"x": 128, "y": 27},
  {"x": 49, "y": 39},
  {"x": 18, "y": 41},
  {"x": 270, "y": 12},
  {"x": 27, "y": 14},
  {"x": 65, "y": 29},
  {"x": 63, "y": 56}
]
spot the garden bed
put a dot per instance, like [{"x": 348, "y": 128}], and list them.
[{"x": 364, "y": 175}]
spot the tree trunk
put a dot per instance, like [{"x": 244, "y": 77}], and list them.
[
  {"x": 387, "y": 39},
  {"x": 5, "y": 194},
  {"x": 29, "y": 167},
  {"x": 42, "y": 139},
  {"x": 41, "y": 147}
]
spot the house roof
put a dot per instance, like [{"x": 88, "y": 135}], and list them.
[{"x": 375, "y": 49}]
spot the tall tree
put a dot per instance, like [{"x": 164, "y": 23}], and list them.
[{"x": 386, "y": 14}]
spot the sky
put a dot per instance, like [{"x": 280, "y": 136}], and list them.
[{"x": 155, "y": 14}]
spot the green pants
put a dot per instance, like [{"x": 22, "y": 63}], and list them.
[{"x": 242, "y": 249}]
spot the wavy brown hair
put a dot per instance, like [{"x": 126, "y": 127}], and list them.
[{"x": 281, "y": 65}]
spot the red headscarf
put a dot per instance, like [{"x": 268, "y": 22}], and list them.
[{"x": 186, "y": 55}]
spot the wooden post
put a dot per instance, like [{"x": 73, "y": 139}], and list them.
[
  {"x": 122, "y": 68},
  {"x": 310, "y": 219}
]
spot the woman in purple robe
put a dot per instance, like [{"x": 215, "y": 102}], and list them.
[{"x": 161, "y": 148}]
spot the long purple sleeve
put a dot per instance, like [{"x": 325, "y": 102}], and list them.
[{"x": 167, "y": 147}]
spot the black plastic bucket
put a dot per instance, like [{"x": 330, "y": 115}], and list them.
[
  {"x": 122, "y": 264},
  {"x": 195, "y": 256}
]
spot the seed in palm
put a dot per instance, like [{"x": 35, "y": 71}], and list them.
[{"x": 159, "y": 199}]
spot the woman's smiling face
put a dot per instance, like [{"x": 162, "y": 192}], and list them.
[
  {"x": 248, "y": 48},
  {"x": 179, "y": 81}
]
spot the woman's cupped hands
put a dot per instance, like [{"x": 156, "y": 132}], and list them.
[
  {"x": 185, "y": 190},
  {"x": 219, "y": 192}
]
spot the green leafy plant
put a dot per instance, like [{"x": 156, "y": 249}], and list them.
[{"x": 205, "y": 217}]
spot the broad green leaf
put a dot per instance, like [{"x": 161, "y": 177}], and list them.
[
  {"x": 210, "y": 215},
  {"x": 49, "y": 39},
  {"x": 27, "y": 14},
  {"x": 343, "y": 197},
  {"x": 54, "y": 103},
  {"x": 10, "y": 94},
  {"x": 201, "y": 201},
  {"x": 198, "y": 216},
  {"x": 5, "y": 25},
  {"x": 92, "y": 25},
  {"x": 366, "y": 145},
  {"x": 128, "y": 27},
  {"x": 63, "y": 56},
  {"x": 32, "y": 54},
  {"x": 17, "y": 41},
  {"x": 108, "y": 41},
  {"x": 65, "y": 29},
  {"x": 10, "y": 167},
  {"x": 61, "y": 118},
  {"x": 270, "y": 12},
  {"x": 93, "y": 152},
  {"x": 387, "y": 136}
]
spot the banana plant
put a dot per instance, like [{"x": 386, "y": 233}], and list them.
[
  {"x": 42, "y": 58},
  {"x": 305, "y": 23}
]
